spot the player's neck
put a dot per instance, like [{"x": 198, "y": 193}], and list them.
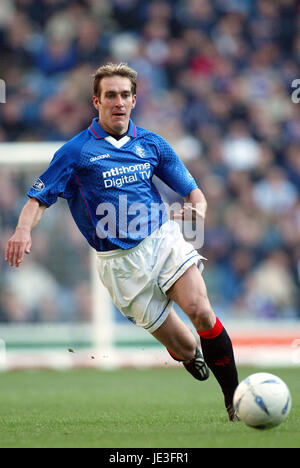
[
  {"x": 115, "y": 134},
  {"x": 117, "y": 137}
]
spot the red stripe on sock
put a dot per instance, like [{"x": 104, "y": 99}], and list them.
[{"x": 213, "y": 332}]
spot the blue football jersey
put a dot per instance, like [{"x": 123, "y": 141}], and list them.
[{"x": 108, "y": 184}]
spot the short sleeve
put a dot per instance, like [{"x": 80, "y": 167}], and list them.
[
  {"x": 55, "y": 181},
  {"x": 172, "y": 171}
]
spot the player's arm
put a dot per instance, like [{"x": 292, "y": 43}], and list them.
[
  {"x": 20, "y": 242},
  {"x": 196, "y": 202},
  {"x": 194, "y": 205},
  {"x": 53, "y": 183}
]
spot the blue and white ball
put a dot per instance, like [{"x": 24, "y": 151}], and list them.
[{"x": 262, "y": 401}]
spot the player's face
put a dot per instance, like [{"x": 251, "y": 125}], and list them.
[{"x": 115, "y": 104}]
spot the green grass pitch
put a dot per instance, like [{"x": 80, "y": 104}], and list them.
[{"x": 130, "y": 408}]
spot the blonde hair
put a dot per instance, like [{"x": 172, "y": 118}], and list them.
[{"x": 111, "y": 69}]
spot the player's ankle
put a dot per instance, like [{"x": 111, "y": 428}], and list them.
[{"x": 184, "y": 356}]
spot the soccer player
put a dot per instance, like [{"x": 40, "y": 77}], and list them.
[{"x": 105, "y": 173}]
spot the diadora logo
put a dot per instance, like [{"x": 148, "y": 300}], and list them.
[
  {"x": 140, "y": 151},
  {"x": 101, "y": 156}
]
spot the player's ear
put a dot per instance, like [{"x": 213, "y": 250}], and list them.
[
  {"x": 133, "y": 101},
  {"x": 96, "y": 102}
]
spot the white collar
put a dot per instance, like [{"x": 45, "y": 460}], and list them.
[{"x": 117, "y": 143}]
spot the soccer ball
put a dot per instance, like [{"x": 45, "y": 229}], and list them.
[{"x": 262, "y": 401}]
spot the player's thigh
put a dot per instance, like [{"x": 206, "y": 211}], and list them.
[{"x": 176, "y": 336}]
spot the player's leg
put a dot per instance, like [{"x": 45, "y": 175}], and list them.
[
  {"x": 176, "y": 336},
  {"x": 190, "y": 293},
  {"x": 179, "y": 340}
]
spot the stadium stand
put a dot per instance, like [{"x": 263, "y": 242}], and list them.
[{"x": 215, "y": 80}]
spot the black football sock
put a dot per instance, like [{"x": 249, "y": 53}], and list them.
[{"x": 218, "y": 354}]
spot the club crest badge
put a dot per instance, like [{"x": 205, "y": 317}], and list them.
[{"x": 140, "y": 151}]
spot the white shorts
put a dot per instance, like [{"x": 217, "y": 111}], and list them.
[{"x": 138, "y": 279}]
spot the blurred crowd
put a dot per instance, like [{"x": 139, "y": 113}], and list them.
[{"x": 215, "y": 79}]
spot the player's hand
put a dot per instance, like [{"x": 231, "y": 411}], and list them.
[
  {"x": 17, "y": 246},
  {"x": 189, "y": 213}
]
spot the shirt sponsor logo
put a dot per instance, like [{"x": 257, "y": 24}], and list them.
[
  {"x": 119, "y": 176},
  {"x": 101, "y": 156}
]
